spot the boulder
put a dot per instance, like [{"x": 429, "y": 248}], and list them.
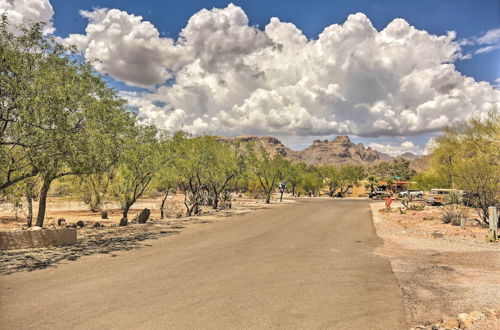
[
  {"x": 476, "y": 315},
  {"x": 466, "y": 320},
  {"x": 437, "y": 234},
  {"x": 491, "y": 314},
  {"x": 450, "y": 323},
  {"x": 143, "y": 216},
  {"x": 80, "y": 224}
]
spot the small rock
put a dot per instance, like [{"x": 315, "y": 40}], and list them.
[
  {"x": 428, "y": 218},
  {"x": 491, "y": 314},
  {"x": 476, "y": 315},
  {"x": 466, "y": 320},
  {"x": 61, "y": 222},
  {"x": 437, "y": 234},
  {"x": 97, "y": 224},
  {"x": 72, "y": 225},
  {"x": 80, "y": 224},
  {"x": 35, "y": 228},
  {"x": 143, "y": 216},
  {"x": 450, "y": 323}
]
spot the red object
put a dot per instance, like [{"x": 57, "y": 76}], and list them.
[{"x": 388, "y": 202}]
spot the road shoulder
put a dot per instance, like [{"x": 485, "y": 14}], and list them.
[{"x": 442, "y": 276}]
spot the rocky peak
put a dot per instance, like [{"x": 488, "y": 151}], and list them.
[
  {"x": 342, "y": 139},
  {"x": 320, "y": 152}
]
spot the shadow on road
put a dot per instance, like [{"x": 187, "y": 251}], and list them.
[{"x": 90, "y": 241}]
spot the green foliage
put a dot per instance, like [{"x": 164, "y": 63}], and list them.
[
  {"x": 416, "y": 207},
  {"x": 293, "y": 175},
  {"x": 469, "y": 157},
  {"x": 143, "y": 156},
  {"x": 429, "y": 179},
  {"x": 453, "y": 214},
  {"x": 311, "y": 183},
  {"x": 398, "y": 167},
  {"x": 222, "y": 163},
  {"x": 190, "y": 166},
  {"x": 268, "y": 170},
  {"x": 341, "y": 178},
  {"x": 94, "y": 187},
  {"x": 58, "y": 117}
]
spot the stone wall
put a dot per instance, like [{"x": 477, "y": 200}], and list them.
[{"x": 26, "y": 239}]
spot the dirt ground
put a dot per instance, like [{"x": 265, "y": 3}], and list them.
[
  {"x": 109, "y": 238},
  {"x": 442, "y": 269},
  {"x": 72, "y": 210}
]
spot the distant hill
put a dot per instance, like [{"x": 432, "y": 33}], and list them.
[
  {"x": 323, "y": 152},
  {"x": 408, "y": 156}
]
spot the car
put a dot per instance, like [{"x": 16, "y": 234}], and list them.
[
  {"x": 441, "y": 196},
  {"x": 469, "y": 198},
  {"x": 412, "y": 193},
  {"x": 377, "y": 193}
]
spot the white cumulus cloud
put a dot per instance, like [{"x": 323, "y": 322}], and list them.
[
  {"x": 28, "y": 11},
  {"x": 228, "y": 77},
  {"x": 397, "y": 149}
]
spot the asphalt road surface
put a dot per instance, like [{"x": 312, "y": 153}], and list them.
[{"x": 308, "y": 265}]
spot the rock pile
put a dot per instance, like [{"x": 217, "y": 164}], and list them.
[{"x": 473, "y": 320}]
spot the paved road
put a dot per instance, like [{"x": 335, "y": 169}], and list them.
[{"x": 308, "y": 265}]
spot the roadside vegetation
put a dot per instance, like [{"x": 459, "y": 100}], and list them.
[{"x": 64, "y": 131}]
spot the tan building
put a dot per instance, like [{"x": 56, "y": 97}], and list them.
[{"x": 362, "y": 189}]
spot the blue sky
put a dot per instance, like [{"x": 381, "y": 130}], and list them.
[
  {"x": 392, "y": 77},
  {"x": 469, "y": 18}
]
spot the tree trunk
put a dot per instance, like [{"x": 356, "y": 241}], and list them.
[
  {"x": 281, "y": 196},
  {"x": 268, "y": 198},
  {"x": 162, "y": 207},
  {"x": 125, "y": 212},
  {"x": 43, "y": 202},
  {"x": 216, "y": 201},
  {"x": 29, "y": 218}
]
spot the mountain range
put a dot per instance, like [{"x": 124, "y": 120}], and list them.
[{"x": 323, "y": 152}]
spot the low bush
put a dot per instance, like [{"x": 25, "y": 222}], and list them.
[
  {"x": 453, "y": 214},
  {"x": 416, "y": 207}
]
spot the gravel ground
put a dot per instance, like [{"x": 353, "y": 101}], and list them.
[{"x": 441, "y": 275}]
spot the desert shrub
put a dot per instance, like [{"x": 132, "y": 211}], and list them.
[
  {"x": 453, "y": 214},
  {"x": 454, "y": 198},
  {"x": 416, "y": 207},
  {"x": 255, "y": 190}
]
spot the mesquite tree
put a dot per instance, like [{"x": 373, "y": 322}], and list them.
[
  {"x": 474, "y": 150},
  {"x": 58, "y": 115},
  {"x": 222, "y": 163},
  {"x": 267, "y": 169},
  {"x": 190, "y": 166},
  {"x": 144, "y": 155}
]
